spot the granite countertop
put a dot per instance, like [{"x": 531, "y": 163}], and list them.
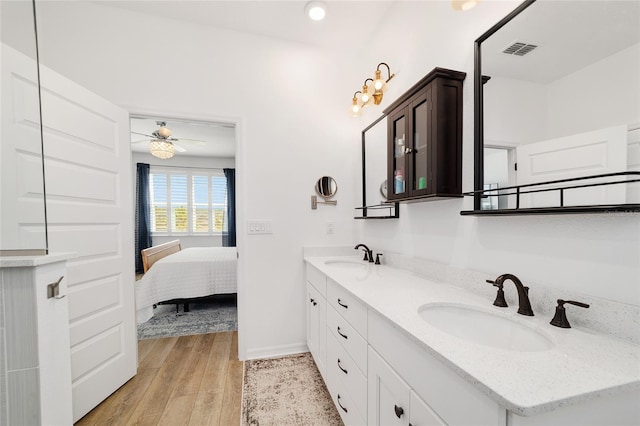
[
  {"x": 582, "y": 364},
  {"x": 28, "y": 261}
]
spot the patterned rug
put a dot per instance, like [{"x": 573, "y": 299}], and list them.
[
  {"x": 219, "y": 314},
  {"x": 286, "y": 391}
]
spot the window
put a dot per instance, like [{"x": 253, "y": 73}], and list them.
[{"x": 192, "y": 201}]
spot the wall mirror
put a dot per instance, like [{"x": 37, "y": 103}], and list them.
[
  {"x": 374, "y": 173},
  {"x": 22, "y": 197},
  {"x": 556, "y": 100},
  {"x": 326, "y": 187}
]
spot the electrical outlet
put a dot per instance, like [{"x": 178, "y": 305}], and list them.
[{"x": 329, "y": 227}]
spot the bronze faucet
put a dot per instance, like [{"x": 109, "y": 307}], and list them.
[
  {"x": 523, "y": 294},
  {"x": 368, "y": 254}
]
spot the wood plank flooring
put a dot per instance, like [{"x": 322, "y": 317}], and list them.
[{"x": 187, "y": 380}]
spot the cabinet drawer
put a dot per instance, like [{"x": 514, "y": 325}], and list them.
[
  {"x": 354, "y": 311},
  {"x": 342, "y": 398},
  {"x": 348, "y": 338},
  {"x": 345, "y": 368},
  {"x": 317, "y": 279}
]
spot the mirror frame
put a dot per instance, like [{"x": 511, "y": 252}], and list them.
[
  {"x": 319, "y": 187},
  {"x": 479, "y": 80},
  {"x": 478, "y": 103},
  {"x": 394, "y": 211}
]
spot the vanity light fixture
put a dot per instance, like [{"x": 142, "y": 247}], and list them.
[
  {"x": 463, "y": 5},
  {"x": 355, "y": 106},
  {"x": 316, "y": 10},
  {"x": 162, "y": 149},
  {"x": 365, "y": 97},
  {"x": 378, "y": 86}
]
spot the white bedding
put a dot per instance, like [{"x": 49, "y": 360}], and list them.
[{"x": 191, "y": 272}]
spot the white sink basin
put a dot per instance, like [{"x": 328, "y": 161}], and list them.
[
  {"x": 360, "y": 264},
  {"x": 484, "y": 327}
]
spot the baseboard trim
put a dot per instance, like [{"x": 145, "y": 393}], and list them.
[{"x": 276, "y": 351}]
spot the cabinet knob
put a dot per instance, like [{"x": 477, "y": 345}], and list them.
[
  {"x": 399, "y": 411},
  {"x": 408, "y": 150}
]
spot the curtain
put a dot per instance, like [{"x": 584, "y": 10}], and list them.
[
  {"x": 142, "y": 229},
  {"x": 229, "y": 239}
]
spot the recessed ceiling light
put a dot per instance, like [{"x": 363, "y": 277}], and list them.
[{"x": 315, "y": 10}]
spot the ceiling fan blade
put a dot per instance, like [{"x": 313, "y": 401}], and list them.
[
  {"x": 179, "y": 148},
  {"x": 142, "y": 134},
  {"x": 193, "y": 141},
  {"x": 143, "y": 140}
]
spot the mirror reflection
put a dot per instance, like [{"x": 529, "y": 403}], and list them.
[
  {"x": 374, "y": 172},
  {"x": 562, "y": 101},
  {"x": 22, "y": 208},
  {"x": 326, "y": 187}
]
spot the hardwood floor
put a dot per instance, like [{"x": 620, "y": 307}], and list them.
[{"x": 187, "y": 380}]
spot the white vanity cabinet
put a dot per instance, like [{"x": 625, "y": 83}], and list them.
[
  {"x": 317, "y": 317},
  {"x": 35, "y": 359}
]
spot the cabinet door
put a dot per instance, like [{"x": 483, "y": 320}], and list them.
[
  {"x": 389, "y": 396},
  {"x": 397, "y": 170},
  {"x": 422, "y": 414},
  {"x": 420, "y": 178},
  {"x": 316, "y": 327}
]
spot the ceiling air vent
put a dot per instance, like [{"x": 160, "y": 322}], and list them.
[{"x": 519, "y": 49}]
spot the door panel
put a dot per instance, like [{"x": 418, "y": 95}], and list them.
[{"x": 90, "y": 212}]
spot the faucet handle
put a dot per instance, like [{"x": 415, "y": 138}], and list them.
[
  {"x": 560, "y": 318},
  {"x": 500, "y": 300},
  {"x": 378, "y": 258}
]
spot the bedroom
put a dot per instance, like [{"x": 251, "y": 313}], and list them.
[{"x": 175, "y": 67}]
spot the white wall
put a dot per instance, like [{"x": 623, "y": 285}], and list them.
[
  {"x": 597, "y": 255},
  {"x": 287, "y": 142},
  {"x": 185, "y": 161}
]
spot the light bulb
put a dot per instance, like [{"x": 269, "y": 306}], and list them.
[
  {"x": 365, "y": 98},
  {"x": 316, "y": 10},
  {"x": 378, "y": 83}
]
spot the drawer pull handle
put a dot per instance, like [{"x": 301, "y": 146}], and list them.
[
  {"x": 340, "y": 333},
  {"x": 342, "y": 304},
  {"x": 344, "y": 409},
  {"x": 399, "y": 411},
  {"x": 340, "y": 367}
]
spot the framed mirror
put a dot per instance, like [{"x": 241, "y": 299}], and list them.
[
  {"x": 374, "y": 173},
  {"x": 326, "y": 187},
  {"x": 23, "y": 229},
  {"x": 557, "y": 106}
]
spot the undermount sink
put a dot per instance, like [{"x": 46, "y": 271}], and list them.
[
  {"x": 484, "y": 327},
  {"x": 348, "y": 263}
]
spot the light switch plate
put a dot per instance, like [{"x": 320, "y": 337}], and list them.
[{"x": 259, "y": 226}]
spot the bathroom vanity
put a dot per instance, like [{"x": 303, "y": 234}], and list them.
[{"x": 397, "y": 348}]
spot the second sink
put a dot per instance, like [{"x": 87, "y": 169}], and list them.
[{"x": 484, "y": 327}]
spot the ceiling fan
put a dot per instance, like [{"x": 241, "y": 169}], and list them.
[{"x": 161, "y": 143}]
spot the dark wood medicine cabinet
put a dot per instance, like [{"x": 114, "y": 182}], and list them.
[
  {"x": 520, "y": 183},
  {"x": 424, "y": 139}
]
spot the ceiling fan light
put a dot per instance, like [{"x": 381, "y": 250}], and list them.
[
  {"x": 463, "y": 5},
  {"x": 164, "y": 132},
  {"x": 162, "y": 149}
]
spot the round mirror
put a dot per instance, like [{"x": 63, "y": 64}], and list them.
[
  {"x": 383, "y": 190},
  {"x": 326, "y": 187}
]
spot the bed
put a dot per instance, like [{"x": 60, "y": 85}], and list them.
[{"x": 174, "y": 273}]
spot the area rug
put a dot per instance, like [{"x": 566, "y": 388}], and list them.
[
  {"x": 286, "y": 391},
  {"x": 211, "y": 317}
]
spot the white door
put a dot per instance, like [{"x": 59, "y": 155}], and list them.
[
  {"x": 21, "y": 199},
  {"x": 90, "y": 212},
  {"x": 591, "y": 153}
]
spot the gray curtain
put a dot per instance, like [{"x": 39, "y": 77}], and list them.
[
  {"x": 229, "y": 239},
  {"x": 143, "y": 223}
]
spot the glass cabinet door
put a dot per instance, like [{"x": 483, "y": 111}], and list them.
[
  {"x": 419, "y": 151},
  {"x": 399, "y": 151}
]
